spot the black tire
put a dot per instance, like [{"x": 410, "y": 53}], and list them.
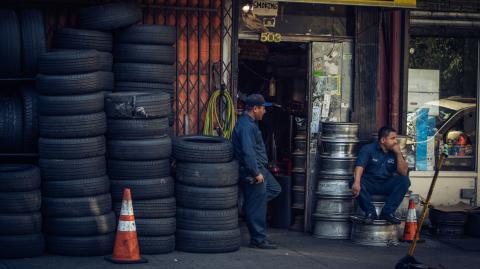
[
  {"x": 207, "y": 174},
  {"x": 143, "y": 189},
  {"x": 70, "y": 84},
  {"x": 19, "y": 177},
  {"x": 80, "y": 245},
  {"x": 22, "y": 246},
  {"x": 135, "y": 170},
  {"x": 69, "y": 38},
  {"x": 30, "y": 119},
  {"x": 64, "y": 62},
  {"x": 109, "y": 16},
  {"x": 126, "y": 86},
  {"x": 11, "y": 124},
  {"x": 155, "y": 227},
  {"x": 137, "y": 128},
  {"x": 62, "y": 169},
  {"x": 137, "y": 150},
  {"x": 81, "y": 226},
  {"x": 76, "y": 188},
  {"x": 140, "y": 53},
  {"x": 71, "y": 148},
  {"x": 20, "y": 202},
  {"x": 151, "y": 209},
  {"x": 207, "y": 220},
  {"x": 206, "y": 198},
  {"x": 34, "y": 41},
  {"x": 131, "y": 105},
  {"x": 77, "y": 206},
  {"x": 208, "y": 241},
  {"x": 202, "y": 149},
  {"x": 73, "y": 126},
  {"x": 144, "y": 72},
  {"x": 129, "y": 86},
  {"x": 156, "y": 244},
  {"x": 147, "y": 34},
  {"x": 10, "y": 46},
  {"x": 70, "y": 104},
  {"x": 18, "y": 224},
  {"x": 106, "y": 81},
  {"x": 106, "y": 61}
]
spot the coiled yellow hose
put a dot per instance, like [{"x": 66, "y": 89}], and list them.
[{"x": 212, "y": 116}]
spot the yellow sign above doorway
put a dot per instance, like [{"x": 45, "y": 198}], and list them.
[{"x": 378, "y": 3}]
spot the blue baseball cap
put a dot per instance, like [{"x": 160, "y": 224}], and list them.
[{"x": 256, "y": 100}]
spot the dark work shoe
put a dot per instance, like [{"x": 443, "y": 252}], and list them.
[
  {"x": 370, "y": 217},
  {"x": 264, "y": 245},
  {"x": 390, "y": 218}
]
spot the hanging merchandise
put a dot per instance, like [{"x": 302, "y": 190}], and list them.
[
  {"x": 220, "y": 125},
  {"x": 272, "y": 88}
]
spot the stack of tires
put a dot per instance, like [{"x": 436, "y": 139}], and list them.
[
  {"x": 139, "y": 152},
  {"x": 77, "y": 205},
  {"x": 102, "y": 42},
  {"x": 10, "y": 45},
  {"x": 144, "y": 59},
  {"x": 11, "y": 122},
  {"x": 20, "y": 217},
  {"x": 97, "y": 24},
  {"x": 22, "y": 41},
  {"x": 206, "y": 192},
  {"x": 19, "y": 122}
]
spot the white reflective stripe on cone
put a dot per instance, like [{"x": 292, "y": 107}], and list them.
[
  {"x": 126, "y": 226},
  {"x": 127, "y": 209},
  {"x": 412, "y": 216}
]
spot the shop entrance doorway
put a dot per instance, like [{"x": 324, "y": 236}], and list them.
[{"x": 279, "y": 71}]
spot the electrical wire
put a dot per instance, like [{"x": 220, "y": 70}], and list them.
[{"x": 212, "y": 116}]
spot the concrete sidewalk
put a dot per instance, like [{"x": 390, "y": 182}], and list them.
[{"x": 297, "y": 250}]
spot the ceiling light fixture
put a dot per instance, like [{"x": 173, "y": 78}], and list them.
[{"x": 246, "y": 8}]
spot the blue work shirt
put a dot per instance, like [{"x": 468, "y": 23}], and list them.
[
  {"x": 377, "y": 164},
  {"x": 248, "y": 145}
]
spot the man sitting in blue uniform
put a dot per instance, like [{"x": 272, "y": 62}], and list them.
[
  {"x": 381, "y": 169},
  {"x": 258, "y": 184}
]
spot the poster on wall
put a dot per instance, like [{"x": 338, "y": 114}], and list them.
[{"x": 328, "y": 69}]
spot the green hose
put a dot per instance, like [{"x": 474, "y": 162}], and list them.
[{"x": 212, "y": 116}]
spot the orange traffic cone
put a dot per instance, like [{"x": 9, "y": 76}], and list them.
[
  {"x": 126, "y": 248},
  {"x": 411, "y": 223}
]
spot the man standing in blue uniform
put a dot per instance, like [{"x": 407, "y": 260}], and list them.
[
  {"x": 258, "y": 184},
  {"x": 381, "y": 169}
]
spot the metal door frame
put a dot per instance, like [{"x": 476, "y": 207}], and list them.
[{"x": 311, "y": 158}]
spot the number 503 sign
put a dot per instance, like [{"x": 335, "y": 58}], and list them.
[{"x": 270, "y": 37}]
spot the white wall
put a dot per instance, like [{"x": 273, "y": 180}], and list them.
[{"x": 447, "y": 188}]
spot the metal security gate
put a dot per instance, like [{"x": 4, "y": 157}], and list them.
[
  {"x": 204, "y": 31},
  {"x": 204, "y": 50}
]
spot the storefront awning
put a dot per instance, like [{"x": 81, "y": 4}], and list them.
[{"x": 378, "y": 3}]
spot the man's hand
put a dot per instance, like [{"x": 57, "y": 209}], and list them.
[
  {"x": 402, "y": 166},
  {"x": 396, "y": 149},
  {"x": 259, "y": 179},
  {"x": 356, "y": 189}
]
